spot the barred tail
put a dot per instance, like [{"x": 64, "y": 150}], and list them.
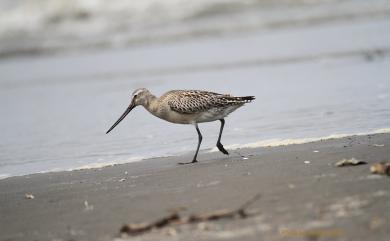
[
  {"x": 238, "y": 100},
  {"x": 247, "y": 98}
]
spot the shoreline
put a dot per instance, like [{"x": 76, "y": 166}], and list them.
[
  {"x": 301, "y": 191},
  {"x": 275, "y": 142}
]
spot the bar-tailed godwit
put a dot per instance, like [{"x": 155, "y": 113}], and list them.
[{"x": 187, "y": 107}]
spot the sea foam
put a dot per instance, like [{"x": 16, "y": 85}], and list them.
[{"x": 290, "y": 141}]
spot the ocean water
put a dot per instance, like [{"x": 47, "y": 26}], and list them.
[
  {"x": 46, "y": 26},
  {"x": 317, "y": 68}
]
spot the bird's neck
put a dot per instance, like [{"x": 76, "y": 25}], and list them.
[{"x": 151, "y": 103}]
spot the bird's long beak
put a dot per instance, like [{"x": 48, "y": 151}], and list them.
[{"x": 131, "y": 106}]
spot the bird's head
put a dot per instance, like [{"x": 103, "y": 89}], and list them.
[{"x": 138, "y": 97}]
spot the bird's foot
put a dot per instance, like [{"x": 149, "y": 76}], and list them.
[
  {"x": 185, "y": 163},
  {"x": 222, "y": 149}
]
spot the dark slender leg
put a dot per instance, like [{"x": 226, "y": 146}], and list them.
[
  {"x": 197, "y": 149},
  {"x": 219, "y": 144}
]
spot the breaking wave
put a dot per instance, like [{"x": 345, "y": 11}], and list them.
[{"x": 41, "y": 26}]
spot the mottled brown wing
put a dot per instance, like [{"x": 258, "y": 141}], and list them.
[
  {"x": 192, "y": 101},
  {"x": 195, "y": 101}
]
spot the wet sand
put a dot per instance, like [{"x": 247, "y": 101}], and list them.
[{"x": 303, "y": 196}]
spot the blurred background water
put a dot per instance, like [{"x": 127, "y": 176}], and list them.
[{"x": 67, "y": 70}]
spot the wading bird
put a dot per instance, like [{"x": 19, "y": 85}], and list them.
[{"x": 187, "y": 107}]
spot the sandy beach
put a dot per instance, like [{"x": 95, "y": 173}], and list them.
[
  {"x": 304, "y": 196},
  {"x": 317, "y": 69}
]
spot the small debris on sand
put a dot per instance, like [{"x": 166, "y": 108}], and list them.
[
  {"x": 87, "y": 206},
  {"x": 376, "y": 223},
  {"x": 176, "y": 219},
  {"x": 306, "y": 162},
  {"x": 378, "y": 145},
  {"x": 381, "y": 168},
  {"x": 28, "y": 196},
  {"x": 349, "y": 162}
]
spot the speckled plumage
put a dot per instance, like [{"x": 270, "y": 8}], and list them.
[
  {"x": 188, "y": 107},
  {"x": 195, "y": 101}
]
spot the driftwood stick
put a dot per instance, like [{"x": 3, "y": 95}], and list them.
[
  {"x": 138, "y": 228},
  {"x": 176, "y": 219}
]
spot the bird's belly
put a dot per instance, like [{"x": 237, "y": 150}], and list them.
[
  {"x": 179, "y": 118},
  {"x": 215, "y": 114},
  {"x": 212, "y": 114}
]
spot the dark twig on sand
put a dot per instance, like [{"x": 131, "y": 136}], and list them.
[
  {"x": 349, "y": 162},
  {"x": 138, "y": 228},
  {"x": 176, "y": 219}
]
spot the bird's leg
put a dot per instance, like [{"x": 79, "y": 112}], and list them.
[
  {"x": 197, "y": 149},
  {"x": 199, "y": 141},
  {"x": 219, "y": 144}
]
